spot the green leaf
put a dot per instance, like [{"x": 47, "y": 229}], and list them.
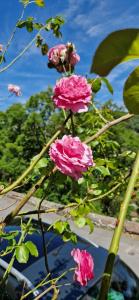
[
  {"x": 32, "y": 248},
  {"x": 42, "y": 163},
  {"x": 21, "y": 24},
  {"x": 120, "y": 46},
  {"x": 37, "y": 26},
  {"x": 44, "y": 49},
  {"x": 40, "y": 3},
  {"x": 22, "y": 254},
  {"x": 90, "y": 224},
  {"x": 69, "y": 236},
  {"x": 80, "y": 222},
  {"x": 8, "y": 236},
  {"x": 104, "y": 171},
  {"x": 131, "y": 92},
  {"x": 108, "y": 85},
  {"x": 60, "y": 226},
  {"x": 95, "y": 84},
  {"x": 97, "y": 192}
]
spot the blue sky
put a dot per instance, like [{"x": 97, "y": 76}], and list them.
[{"x": 87, "y": 23}]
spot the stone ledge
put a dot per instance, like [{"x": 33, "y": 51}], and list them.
[{"x": 130, "y": 227}]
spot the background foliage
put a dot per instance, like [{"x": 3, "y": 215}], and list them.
[{"x": 24, "y": 129}]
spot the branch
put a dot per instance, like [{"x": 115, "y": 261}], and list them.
[
  {"x": 107, "y": 126},
  {"x": 12, "y": 35},
  {"x": 32, "y": 165},
  {"x": 22, "y": 52}
]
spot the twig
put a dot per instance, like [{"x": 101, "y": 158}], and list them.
[
  {"x": 12, "y": 35},
  {"x": 107, "y": 126},
  {"x": 22, "y": 52},
  {"x": 43, "y": 239}
]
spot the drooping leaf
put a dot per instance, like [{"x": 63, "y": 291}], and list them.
[
  {"x": 44, "y": 49},
  {"x": 108, "y": 85},
  {"x": 119, "y": 46},
  {"x": 32, "y": 248},
  {"x": 22, "y": 254},
  {"x": 131, "y": 92}
]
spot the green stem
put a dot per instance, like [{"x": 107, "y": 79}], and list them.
[
  {"x": 7, "y": 272},
  {"x": 34, "y": 162},
  {"x": 113, "y": 250}
]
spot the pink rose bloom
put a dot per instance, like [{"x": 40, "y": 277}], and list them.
[
  {"x": 85, "y": 266},
  {"x": 57, "y": 53},
  {"x": 15, "y": 89},
  {"x": 71, "y": 156},
  {"x": 1, "y": 47},
  {"x": 63, "y": 57},
  {"x": 72, "y": 93}
]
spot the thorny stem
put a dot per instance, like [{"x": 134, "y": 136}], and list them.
[{"x": 113, "y": 250}]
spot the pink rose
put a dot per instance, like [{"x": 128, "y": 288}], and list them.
[
  {"x": 1, "y": 47},
  {"x": 85, "y": 266},
  {"x": 63, "y": 57},
  {"x": 71, "y": 156},
  {"x": 57, "y": 53},
  {"x": 15, "y": 89},
  {"x": 72, "y": 93}
]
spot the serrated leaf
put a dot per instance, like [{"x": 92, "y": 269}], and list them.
[
  {"x": 119, "y": 46},
  {"x": 22, "y": 254},
  {"x": 131, "y": 92},
  {"x": 80, "y": 222},
  {"x": 108, "y": 85},
  {"x": 40, "y": 3},
  {"x": 32, "y": 248}
]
